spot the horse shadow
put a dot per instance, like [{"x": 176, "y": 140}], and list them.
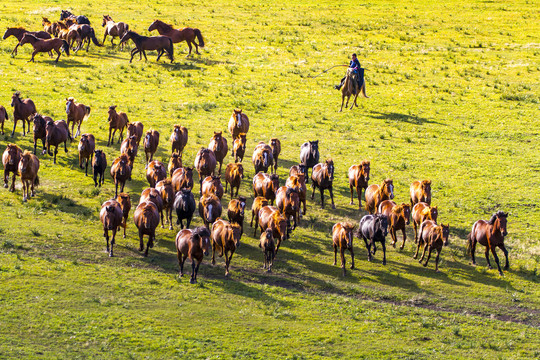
[
  {"x": 411, "y": 119},
  {"x": 66, "y": 64},
  {"x": 206, "y": 61},
  {"x": 181, "y": 66}
]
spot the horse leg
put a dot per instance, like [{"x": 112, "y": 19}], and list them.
[
  {"x": 342, "y": 255},
  {"x": 65, "y": 146},
  {"x": 352, "y": 257},
  {"x": 112, "y": 137},
  {"x": 5, "y": 178},
  {"x": 160, "y": 52},
  {"x": 437, "y": 260},
  {"x": 321, "y": 190},
  {"x": 351, "y": 188},
  {"x": 33, "y": 55},
  {"x": 194, "y": 269},
  {"x": 14, "y": 126},
  {"x": 332, "y": 196},
  {"x": 354, "y": 102},
  {"x": 415, "y": 226},
  {"x": 417, "y": 249},
  {"x": 162, "y": 225},
  {"x": 342, "y": 101},
  {"x": 189, "y": 46},
  {"x": 393, "y": 236},
  {"x": 112, "y": 241},
  {"x": 335, "y": 254},
  {"x": 473, "y": 249},
  {"x": 23, "y": 190},
  {"x": 428, "y": 256},
  {"x": 227, "y": 263},
  {"x": 106, "y": 234},
  {"x": 368, "y": 247},
  {"x": 493, "y": 247},
  {"x": 104, "y": 37},
  {"x": 121, "y": 138},
  {"x": 503, "y": 248},
  {"x": 33, "y": 193},
  {"x": 144, "y": 53},
  {"x": 383, "y": 245},
  {"x": 487, "y": 257},
  {"x": 14, "y": 52},
  {"x": 58, "y": 57},
  {"x": 78, "y": 128},
  {"x": 133, "y": 52},
  {"x": 313, "y": 188},
  {"x": 423, "y": 252},
  {"x": 116, "y": 188},
  {"x": 55, "y": 152},
  {"x": 109, "y": 141},
  {"x": 404, "y": 238},
  {"x": 180, "y": 263}
]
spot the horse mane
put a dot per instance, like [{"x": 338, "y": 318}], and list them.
[
  {"x": 32, "y": 36},
  {"x": 426, "y": 211},
  {"x": 124, "y": 156},
  {"x": 426, "y": 182},
  {"x": 242, "y": 199},
  {"x": 398, "y": 209},
  {"x": 274, "y": 177},
  {"x": 496, "y": 215},
  {"x": 277, "y": 217},
  {"x": 202, "y": 231},
  {"x": 164, "y": 25},
  {"x": 17, "y": 94},
  {"x": 26, "y": 153},
  {"x": 71, "y": 98},
  {"x": 348, "y": 225},
  {"x": 365, "y": 162},
  {"x": 166, "y": 181}
]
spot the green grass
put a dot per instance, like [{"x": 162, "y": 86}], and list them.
[{"x": 454, "y": 98}]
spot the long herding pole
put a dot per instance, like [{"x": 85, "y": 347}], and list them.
[{"x": 312, "y": 77}]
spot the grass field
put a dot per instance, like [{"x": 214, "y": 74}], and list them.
[{"x": 454, "y": 92}]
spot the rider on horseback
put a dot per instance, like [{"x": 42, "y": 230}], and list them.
[{"x": 354, "y": 64}]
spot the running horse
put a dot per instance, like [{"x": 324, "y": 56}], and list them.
[
  {"x": 45, "y": 45},
  {"x": 76, "y": 114},
  {"x": 178, "y": 35},
  {"x": 113, "y": 29},
  {"x": 19, "y": 32},
  {"x": 350, "y": 87},
  {"x": 23, "y": 109},
  {"x": 490, "y": 234},
  {"x": 161, "y": 44}
]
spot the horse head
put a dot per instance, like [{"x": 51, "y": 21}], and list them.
[
  {"x": 111, "y": 112},
  {"x": 153, "y": 26},
  {"x": 380, "y": 224},
  {"x": 348, "y": 227},
  {"x": 105, "y": 19},
  {"x": 294, "y": 199},
  {"x": 218, "y": 140},
  {"x": 434, "y": 212},
  {"x": 236, "y": 234},
  {"x": 274, "y": 179},
  {"x": 366, "y": 167},
  {"x": 16, "y": 98},
  {"x": 445, "y": 233},
  {"x": 202, "y": 236},
  {"x": 237, "y": 113},
  {"x": 69, "y": 103},
  {"x": 330, "y": 168},
  {"x": 239, "y": 170},
  {"x": 498, "y": 220},
  {"x": 388, "y": 188},
  {"x": 25, "y": 160},
  {"x": 242, "y": 203}
]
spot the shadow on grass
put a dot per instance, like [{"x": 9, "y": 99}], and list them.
[{"x": 411, "y": 119}]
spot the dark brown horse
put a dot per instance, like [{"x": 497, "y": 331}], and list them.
[
  {"x": 3, "y": 117},
  {"x": 298, "y": 182},
  {"x": 164, "y": 187},
  {"x": 23, "y": 109},
  {"x": 125, "y": 203},
  {"x": 398, "y": 216},
  {"x": 117, "y": 121},
  {"x": 150, "y": 142},
  {"x": 182, "y": 178},
  {"x": 205, "y": 163},
  {"x": 120, "y": 172},
  {"x": 209, "y": 209},
  {"x": 421, "y": 192},
  {"x": 111, "y": 218},
  {"x": 262, "y": 157},
  {"x": 225, "y": 240},
  {"x": 218, "y": 144},
  {"x": 186, "y": 34},
  {"x": 28, "y": 168},
  {"x": 235, "y": 211},
  {"x": 76, "y": 114},
  {"x": 266, "y": 185},
  {"x": 99, "y": 165},
  {"x": 57, "y": 133},
  {"x": 239, "y": 148},
  {"x": 275, "y": 144},
  {"x": 19, "y": 33},
  {"x": 135, "y": 129},
  {"x": 266, "y": 243},
  {"x": 212, "y": 185},
  {"x": 45, "y": 45},
  {"x": 271, "y": 218},
  {"x": 420, "y": 213},
  {"x": 322, "y": 177},
  {"x": 154, "y": 196},
  {"x": 184, "y": 203},
  {"x": 10, "y": 160},
  {"x": 146, "y": 218},
  {"x": 155, "y": 173},
  {"x": 342, "y": 238},
  {"x": 175, "y": 162},
  {"x": 234, "y": 173},
  {"x": 40, "y": 132},
  {"x": 192, "y": 244},
  {"x": 375, "y": 194},
  {"x": 288, "y": 203},
  {"x": 179, "y": 139},
  {"x": 86, "y": 148},
  {"x": 432, "y": 237},
  {"x": 491, "y": 235},
  {"x": 238, "y": 123},
  {"x": 130, "y": 148},
  {"x": 358, "y": 179},
  {"x": 161, "y": 44},
  {"x": 113, "y": 29},
  {"x": 258, "y": 203}
]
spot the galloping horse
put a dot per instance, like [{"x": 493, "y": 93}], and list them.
[
  {"x": 47, "y": 45},
  {"x": 80, "y": 19},
  {"x": 114, "y": 29},
  {"x": 161, "y": 44},
  {"x": 420, "y": 192},
  {"x": 258, "y": 203},
  {"x": 225, "y": 240},
  {"x": 322, "y": 177},
  {"x": 238, "y": 123},
  {"x": 22, "y": 110},
  {"x": 192, "y": 244},
  {"x": 40, "y": 133},
  {"x": 28, "y": 168},
  {"x": 19, "y": 33},
  {"x": 309, "y": 155},
  {"x": 111, "y": 217},
  {"x": 117, "y": 121},
  {"x": 188, "y": 34},
  {"x": 179, "y": 138},
  {"x": 57, "y": 133},
  {"x": 342, "y": 237},
  {"x": 398, "y": 217},
  {"x": 375, "y": 194},
  {"x": 205, "y": 163},
  {"x": 76, "y": 114},
  {"x": 350, "y": 87},
  {"x": 3, "y": 117},
  {"x": 10, "y": 160},
  {"x": 218, "y": 144},
  {"x": 490, "y": 234},
  {"x": 358, "y": 179}
]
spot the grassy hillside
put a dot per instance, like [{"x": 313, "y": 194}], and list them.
[{"x": 454, "y": 98}]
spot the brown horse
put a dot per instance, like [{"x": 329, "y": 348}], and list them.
[
  {"x": 120, "y": 172},
  {"x": 234, "y": 173},
  {"x": 209, "y": 209},
  {"x": 186, "y": 34},
  {"x": 298, "y": 182},
  {"x": 491, "y": 235},
  {"x": 175, "y": 162},
  {"x": 45, "y": 45},
  {"x": 192, "y": 244},
  {"x": 375, "y": 194},
  {"x": 262, "y": 157},
  {"x": 275, "y": 144},
  {"x": 19, "y": 33},
  {"x": 155, "y": 173},
  {"x": 235, "y": 211},
  {"x": 421, "y": 192},
  {"x": 23, "y": 109},
  {"x": 111, "y": 218},
  {"x": 271, "y": 218},
  {"x": 288, "y": 203},
  {"x": 146, "y": 218},
  {"x": 76, "y": 114},
  {"x": 182, "y": 178},
  {"x": 342, "y": 237},
  {"x": 28, "y": 168},
  {"x": 125, "y": 203},
  {"x": 218, "y": 144},
  {"x": 322, "y": 177},
  {"x": 350, "y": 87},
  {"x": 266, "y": 243},
  {"x": 49, "y": 27},
  {"x": 40, "y": 132},
  {"x": 99, "y": 165},
  {"x": 117, "y": 121},
  {"x": 398, "y": 216},
  {"x": 164, "y": 187},
  {"x": 57, "y": 133},
  {"x": 113, "y": 29},
  {"x": 179, "y": 139},
  {"x": 266, "y": 185},
  {"x": 420, "y": 213},
  {"x": 258, "y": 204},
  {"x": 225, "y": 239},
  {"x": 135, "y": 129},
  {"x": 86, "y": 148},
  {"x": 130, "y": 148},
  {"x": 205, "y": 163},
  {"x": 10, "y": 160},
  {"x": 161, "y": 44},
  {"x": 358, "y": 179},
  {"x": 3, "y": 117},
  {"x": 212, "y": 185},
  {"x": 239, "y": 148},
  {"x": 238, "y": 123},
  {"x": 433, "y": 237},
  {"x": 298, "y": 169},
  {"x": 154, "y": 196}
]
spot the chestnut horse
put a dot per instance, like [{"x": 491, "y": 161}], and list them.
[
  {"x": 150, "y": 142},
  {"x": 154, "y": 196},
  {"x": 358, "y": 179},
  {"x": 433, "y": 237},
  {"x": 135, "y": 129},
  {"x": 350, "y": 87},
  {"x": 175, "y": 162},
  {"x": 309, "y": 155},
  {"x": 212, "y": 185},
  {"x": 164, "y": 187},
  {"x": 146, "y": 218},
  {"x": 179, "y": 139},
  {"x": 421, "y": 192},
  {"x": 178, "y": 35},
  {"x": 266, "y": 185},
  {"x": 234, "y": 173},
  {"x": 490, "y": 234},
  {"x": 19, "y": 33},
  {"x": 258, "y": 203},
  {"x": 238, "y": 123},
  {"x": 271, "y": 218},
  {"x": 182, "y": 178},
  {"x": 298, "y": 182},
  {"x": 275, "y": 144},
  {"x": 76, "y": 114},
  {"x": 120, "y": 172},
  {"x": 209, "y": 209},
  {"x": 57, "y": 133},
  {"x": 262, "y": 157},
  {"x": 192, "y": 244},
  {"x": 288, "y": 203},
  {"x": 239, "y": 147},
  {"x": 218, "y": 144},
  {"x": 266, "y": 243},
  {"x": 235, "y": 211},
  {"x": 398, "y": 216},
  {"x": 342, "y": 237},
  {"x": 86, "y": 148},
  {"x": 45, "y": 45},
  {"x": 49, "y": 27},
  {"x": 142, "y": 43},
  {"x": 111, "y": 218},
  {"x": 298, "y": 169},
  {"x": 40, "y": 132},
  {"x": 205, "y": 163},
  {"x": 420, "y": 213},
  {"x": 375, "y": 194},
  {"x": 28, "y": 168},
  {"x": 155, "y": 173},
  {"x": 322, "y": 177},
  {"x": 130, "y": 148},
  {"x": 23, "y": 109},
  {"x": 184, "y": 203},
  {"x": 113, "y": 29},
  {"x": 117, "y": 121},
  {"x": 10, "y": 160},
  {"x": 125, "y": 203},
  {"x": 3, "y": 117},
  {"x": 225, "y": 239},
  {"x": 99, "y": 165}
]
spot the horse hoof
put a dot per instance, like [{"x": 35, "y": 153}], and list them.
[
  {"x": 141, "y": 249},
  {"x": 24, "y": 199},
  {"x": 111, "y": 254},
  {"x": 333, "y": 207},
  {"x": 192, "y": 281},
  {"x": 501, "y": 273},
  {"x": 6, "y": 185}
]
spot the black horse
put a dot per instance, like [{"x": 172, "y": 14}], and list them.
[
  {"x": 373, "y": 228},
  {"x": 160, "y": 43},
  {"x": 309, "y": 155},
  {"x": 81, "y": 19},
  {"x": 184, "y": 203}
]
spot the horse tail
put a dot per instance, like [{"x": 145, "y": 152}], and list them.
[
  {"x": 36, "y": 181},
  {"x": 469, "y": 243},
  {"x": 171, "y": 50},
  {"x": 86, "y": 113},
  {"x": 363, "y": 90},
  {"x": 93, "y": 37},
  {"x": 6, "y": 114},
  {"x": 65, "y": 47},
  {"x": 199, "y": 37}
]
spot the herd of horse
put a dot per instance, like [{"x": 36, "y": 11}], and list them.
[
  {"x": 74, "y": 32},
  {"x": 276, "y": 210}
]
